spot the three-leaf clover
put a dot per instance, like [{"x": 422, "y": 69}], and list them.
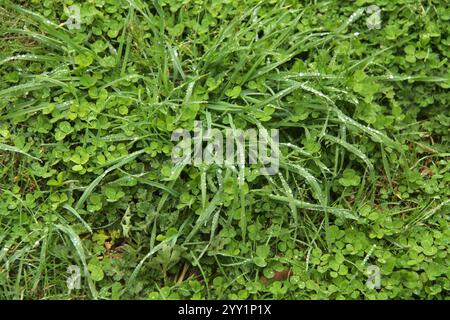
[
  {"x": 350, "y": 178},
  {"x": 262, "y": 252},
  {"x": 113, "y": 194},
  {"x": 234, "y": 92}
]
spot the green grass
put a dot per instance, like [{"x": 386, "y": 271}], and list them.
[{"x": 86, "y": 179}]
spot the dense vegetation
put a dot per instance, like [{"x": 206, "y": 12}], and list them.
[{"x": 86, "y": 178}]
